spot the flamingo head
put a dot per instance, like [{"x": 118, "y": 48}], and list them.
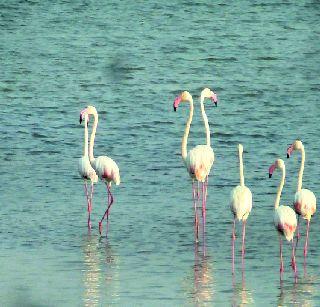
[
  {"x": 207, "y": 93},
  {"x": 185, "y": 96},
  {"x": 277, "y": 164},
  {"x": 84, "y": 116},
  {"x": 296, "y": 145}
]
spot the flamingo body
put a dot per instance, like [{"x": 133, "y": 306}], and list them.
[
  {"x": 199, "y": 162},
  {"x": 285, "y": 221},
  {"x": 241, "y": 202},
  {"x": 85, "y": 169},
  {"x": 106, "y": 169},
  {"x": 305, "y": 203}
]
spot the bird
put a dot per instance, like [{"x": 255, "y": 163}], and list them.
[
  {"x": 106, "y": 169},
  {"x": 85, "y": 169},
  {"x": 285, "y": 220},
  {"x": 240, "y": 205},
  {"x": 198, "y": 160},
  {"x": 305, "y": 202}
]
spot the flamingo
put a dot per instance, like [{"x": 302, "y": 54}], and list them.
[
  {"x": 198, "y": 160},
  {"x": 84, "y": 167},
  {"x": 106, "y": 168},
  {"x": 285, "y": 219},
  {"x": 305, "y": 202},
  {"x": 240, "y": 205}
]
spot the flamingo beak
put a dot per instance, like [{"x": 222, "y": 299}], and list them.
[
  {"x": 80, "y": 120},
  {"x": 270, "y": 175},
  {"x": 214, "y": 99},
  {"x": 175, "y": 109}
]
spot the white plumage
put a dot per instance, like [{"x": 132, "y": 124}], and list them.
[
  {"x": 241, "y": 202},
  {"x": 199, "y": 162},
  {"x": 285, "y": 221},
  {"x": 107, "y": 169},
  {"x": 305, "y": 203}
]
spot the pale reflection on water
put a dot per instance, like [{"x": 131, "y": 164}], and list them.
[
  {"x": 242, "y": 296},
  {"x": 203, "y": 281},
  {"x": 100, "y": 276},
  {"x": 298, "y": 294}
]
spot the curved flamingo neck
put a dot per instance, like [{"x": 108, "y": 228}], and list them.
[
  {"x": 86, "y": 136},
  {"x": 93, "y": 135},
  {"x": 241, "y": 168},
  {"x": 280, "y": 187},
  {"x": 205, "y": 121},
  {"x": 300, "y": 175},
  {"x": 186, "y": 132}
]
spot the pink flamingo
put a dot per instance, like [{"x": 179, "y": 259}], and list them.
[
  {"x": 285, "y": 219},
  {"x": 305, "y": 202},
  {"x": 105, "y": 167},
  {"x": 240, "y": 205},
  {"x": 84, "y": 167},
  {"x": 198, "y": 160}
]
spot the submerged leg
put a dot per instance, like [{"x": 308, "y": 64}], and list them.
[
  {"x": 281, "y": 259},
  {"x": 196, "y": 222},
  {"x": 293, "y": 260},
  {"x": 88, "y": 203},
  {"x": 106, "y": 214},
  {"x": 233, "y": 240},
  {"x": 243, "y": 241},
  {"x": 305, "y": 250}
]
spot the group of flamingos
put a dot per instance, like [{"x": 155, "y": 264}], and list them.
[{"x": 198, "y": 162}]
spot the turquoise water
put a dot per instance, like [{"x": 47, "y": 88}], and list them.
[{"x": 130, "y": 60}]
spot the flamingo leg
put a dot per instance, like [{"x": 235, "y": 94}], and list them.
[
  {"x": 233, "y": 240},
  {"x": 194, "y": 195},
  {"x": 305, "y": 250},
  {"x": 281, "y": 259},
  {"x": 204, "y": 204},
  {"x": 243, "y": 241},
  {"x": 293, "y": 260},
  {"x": 106, "y": 214},
  {"x": 88, "y": 204},
  {"x": 298, "y": 233}
]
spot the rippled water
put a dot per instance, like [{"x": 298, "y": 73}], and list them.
[{"x": 130, "y": 60}]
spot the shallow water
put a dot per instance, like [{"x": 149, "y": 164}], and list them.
[{"x": 130, "y": 61}]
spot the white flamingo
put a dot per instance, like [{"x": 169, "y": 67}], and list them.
[
  {"x": 240, "y": 205},
  {"x": 84, "y": 167},
  {"x": 198, "y": 160},
  {"x": 305, "y": 202},
  {"x": 106, "y": 168},
  {"x": 285, "y": 219}
]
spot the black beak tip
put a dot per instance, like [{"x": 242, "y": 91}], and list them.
[
  {"x": 288, "y": 156},
  {"x": 270, "y": 175},
  {"x": 80, "y": 120},
  {"x": 175, "y": 109}
]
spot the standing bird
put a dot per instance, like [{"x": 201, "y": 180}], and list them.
[
  {"x": 305, "y": 202},
  {"x": 84, "y": 167},
  {"x": 105, "y": 167},
  {"x": 199, "y": 159},
  {"x": 285, "y": 219},
  {"x": 240, "y": 205}
]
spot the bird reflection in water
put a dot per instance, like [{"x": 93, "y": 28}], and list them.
[
  {"x": 92, "y": 272},
  {"x": 298, "y": 294},
  {"x": 241, "y": 294},
  {"x": 203, "y": 280},
  {"x": 100, "y": 272}
]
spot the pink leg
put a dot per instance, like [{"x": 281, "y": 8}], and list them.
[
  {"x": 204, "y": 204},
  {"x": 195, "y": 211},
  {"x": 298, "y": 233},
  {"x": 281, "y": 259},
  {"x": 233, "y": 240},
  {"x": 305, "y": 250},
  {"x": 106, "y": 214},
  {"x": 88, "y": 204},
  {"x": 243, "y": 241},
  {"x": 293, "y": 261}
]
